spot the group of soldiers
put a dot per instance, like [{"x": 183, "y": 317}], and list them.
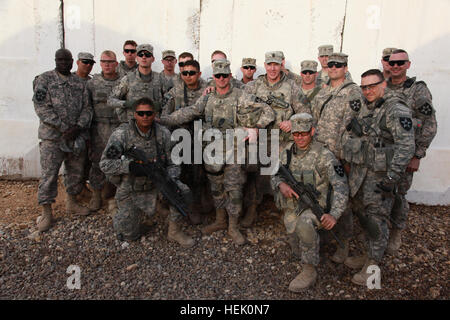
[{"x": 355, "y": 146}]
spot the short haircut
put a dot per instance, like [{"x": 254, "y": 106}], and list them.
[
  {"x": 144, "y": 101},
  {"x": 109, "y": 53},
  {"x": 399, "y": 51},
  {"x": 218, "y": 52},
  {"x": 130, "y": 42},
  {"x": 185, "y": 55},
  {"x": 373, "y": 72},
  {"x": 193, "y": 63}
]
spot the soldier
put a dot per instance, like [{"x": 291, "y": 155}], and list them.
[
  {"x": 385, "y": 62},
  {"x": 332, "y": 109},
  {"x": 248, "y": 69},
  {"x": 143, "y": 82},
  {"x": 169, "y": 61},
  {"x": 324, "y": 52},
  {"x": 379, "y": 144},
  {"x": 310, "y": 162},
  {"x": 103, "y": 123},
  {"x": 220, "y": 55},
  {"x": 136, "y": 194},
  {"x": 419, "y": 100},
  {"x": 309, "y": 75},
  {"x": 129, "y": 64},
  {"x": 85, "y": 64},
  {"x": 62, "y": 105},
  {"x": 220, "y": 109}
]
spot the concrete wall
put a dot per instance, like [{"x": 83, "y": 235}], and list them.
[{"x": 30, "y": 33}]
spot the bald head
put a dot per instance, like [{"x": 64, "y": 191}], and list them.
[{"x": 63, "y": 61}]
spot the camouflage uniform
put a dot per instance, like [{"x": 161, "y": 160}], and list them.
[
  {"x": 136, "y": 196},
  {"x": 234, "y": 82},
  {"x": 384, "y": 150},
  {"x": 167, "y": 81},
  {"x": 123, "y": 69},
  {"x": 419, "y": 99},
  {"x": 103, "y": 123},
  {"x": 61, "y": 102},
  {"x": 295, "y": 77}
]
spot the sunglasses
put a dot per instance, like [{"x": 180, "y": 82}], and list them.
[
  {"x": 223, "y": 75},
  {"x": 370, "y": 86},
  {"x": 85, "y": 61},
  {"x": 336, "y": 64},
  {"x": 145, "y": 113},
  {"x": 307, "y": 72},
  {"x": 146, "y": 54},
  {"x": 386, "y": 59},
  {"x": 397, "y": 62},
  {"x": 182, "y": 64},
  {"x": 301, "y": 134},
  {"x": 249, "y": 67},
  {"x": 129, "y": 50},
  {"x": 189, "y": 73},
  {"x": 107, "y": 61}
]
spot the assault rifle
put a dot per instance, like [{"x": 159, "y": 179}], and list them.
[
  {"x": 307, "y": 197},
  {"x": 271, "y": 99}
]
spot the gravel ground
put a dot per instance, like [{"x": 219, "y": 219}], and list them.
[{"x": 34, "y": 266}]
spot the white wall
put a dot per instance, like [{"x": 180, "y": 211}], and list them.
[{"x": 29, "y": 37}]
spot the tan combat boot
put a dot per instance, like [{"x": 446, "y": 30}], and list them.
[
  {"x": 356, "y": 262},
  {"x": 233, "y": 230},
  {"x": 304, "y": 279},
  {"x": 361, "y": 277},
  {"x": 250, "y": 216},
  {"x": 341, "y": 253},
  {"x": 219, "y": 224},
  {"x": 395, "y": 241},
  {"x": 46, "y": 218},
  {"x": 96, "y": 200},
  {"x": 72, "y": 206},
  {"x": 175, "y": 234}
]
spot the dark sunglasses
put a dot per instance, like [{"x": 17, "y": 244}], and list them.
[
  {"x": 249, "y": 67},
  {"x": 189, "y": 73},
  {"x": 370, "y": 86},
  {"x": 302, "y": 134},
  {"x": 129, "y": 50},
  {"x": 336, "y": 64},
  {"x": 223, "y": 75},
  {"x": 85, "y": 61},
  {"x": 307, "y": 72},
  {"x": 386, "y": 59},
  {"x": 397, "y": 62},
  {"x": 145, "y": 113},
  {"x": 181, "y": 64},
  {"x": 146, "y": 54}
]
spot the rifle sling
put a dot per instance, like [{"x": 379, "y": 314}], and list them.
[{"x": 332, "y": 96}]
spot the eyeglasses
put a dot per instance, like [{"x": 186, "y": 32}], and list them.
[
  {"x": 386, "y": 59},
  {"x": 301, "y": 134},
  {"x": 307, "y": 72},
  {"x": 145, "y": 53},
  {"x": 397, "y": 62},
  {"x": 338, "y": 65},
  {"x": 129, "y": 50},
  {"x": 370, "y": 86},
  {"x": 182, "y": 64},
  {"x": 249, "y": 67},
  {"x": 107, "y": 61},
  {"x": 223, "y": 75},
  {"x": 85, "y": 61},
  {"x": 145, "y": 113},
  {"x": 189, "y": 73},
  {"x": 170, "y": 60}
]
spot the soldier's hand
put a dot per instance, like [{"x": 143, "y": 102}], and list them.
[
  {"x": 208, "y": 90},
  {"x": 413, "y": 165},
  {"x": 72, "y": 132},
  {"x": 138, "y": 169},
  {"x": 287, "y": 191},
  {"x": 286, "y": 126},
  {"x": 328, "y": 221},
  {"x": 252, "y": 135}
]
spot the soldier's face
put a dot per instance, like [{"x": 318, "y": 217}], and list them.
[
  {"x": 85, "y": 67},
  {"x": 273, "y": 70},
  {"x": 303, "y": 139},
  {"x": 144, "y": 116},
  {"x": 129, "y": 52},
  {"x": 63, "y": 61},
  {"x": 182, "y": 61},
  {"x": 399, "y": 70},
  {"x": 189, "y": 78},
  {"x": 386, "y": 66},
  {"x": 222, "y": 82},
  {"x": 323, "y": 61},
  {"x": 308, "y": 77},
  {"x": 145, "y": 58},
  {"x": 337, "y": 73},
  {"x": 108, "y": 64},
  {"x": 372, "y": 87},
  {"x": 248, "y": 71},
  {"x": 169, "y": 63}
]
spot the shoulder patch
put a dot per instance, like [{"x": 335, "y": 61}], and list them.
[
  {"x": 355, "y": 105},
  {"x": 40, "y": 95},
  {"x": 406, "y": 123},
  {"x": 426, "y": 109},
  {"x": 339, "y": 170}
]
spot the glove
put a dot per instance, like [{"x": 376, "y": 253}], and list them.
[
  {"x": 72, "y": 132},
  {"x": 137, "y": 169},
  {"x": 128, "y": 104}
]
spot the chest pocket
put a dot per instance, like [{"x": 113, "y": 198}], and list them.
[{"x": 308, "y": 177}]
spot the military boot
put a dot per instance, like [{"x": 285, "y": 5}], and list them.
[
  {"x": 96, "y": 200},
  {"x": 195, "y": 216},
  {"x": 72, "y": 206},
  {"x": 304, "y": 279},
  {"x": 341, "y": 253},
  {"x": 356, "y": 262},
  {"x": 46, "y": 218},
  {"x": 395, "y": 241},
  {"x": 361, "y": 277},
  {"x": 250, "y": 216},
  {"x": 175, "y": 234},
  {"x": 233, "y": 230},
  {"x": 219, "y": 224}
]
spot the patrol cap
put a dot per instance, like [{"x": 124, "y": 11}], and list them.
[
  {"x": 221, "y": 66},
  {"x": 338, "y": 57},
  {"x": 248, "y": 62},
  {"x": 274, "y": 56},
  {"x": 85, "y": 56},
  {"x": 144, "y": 47},
  {"x": 168, "y": 53},
  {"x": 325, "y": 50},
  {"x": 387, "y": 52},
  {"x": 309, "y": 65},
  {"x": 301, "y": 122}
]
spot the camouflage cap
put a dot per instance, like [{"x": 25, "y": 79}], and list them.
[
  {"x": 387, "y": 52},
  {"x": 274, "y": 56},
  {"x": 85, "y": 56},
  {"x": 248, "y": 62},
  {"x": 168, "y": 53},
  {"x": 144, "y": 47},
  {"x": 221, "y": 66},
  {"x": 325, "y": 50},
  {"x": 338, "y": 57},
  {"x": 301, "y": 122},
  {"x": 309, "y": 65}
]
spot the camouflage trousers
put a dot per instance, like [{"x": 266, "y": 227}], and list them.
[
  {"x": 100, "y": 133},
  {"x": 255, "y": 188},
  {"x": 344, "y": 226},
  {"x": 52, "y": 157},
  {"x": 132, "y": 209},
  {"x": 194, "y": 176},
  {"x": 376, "y": 207},
  {"x": 227, "y": 188},
  {"x": 400, "y": 211}
]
